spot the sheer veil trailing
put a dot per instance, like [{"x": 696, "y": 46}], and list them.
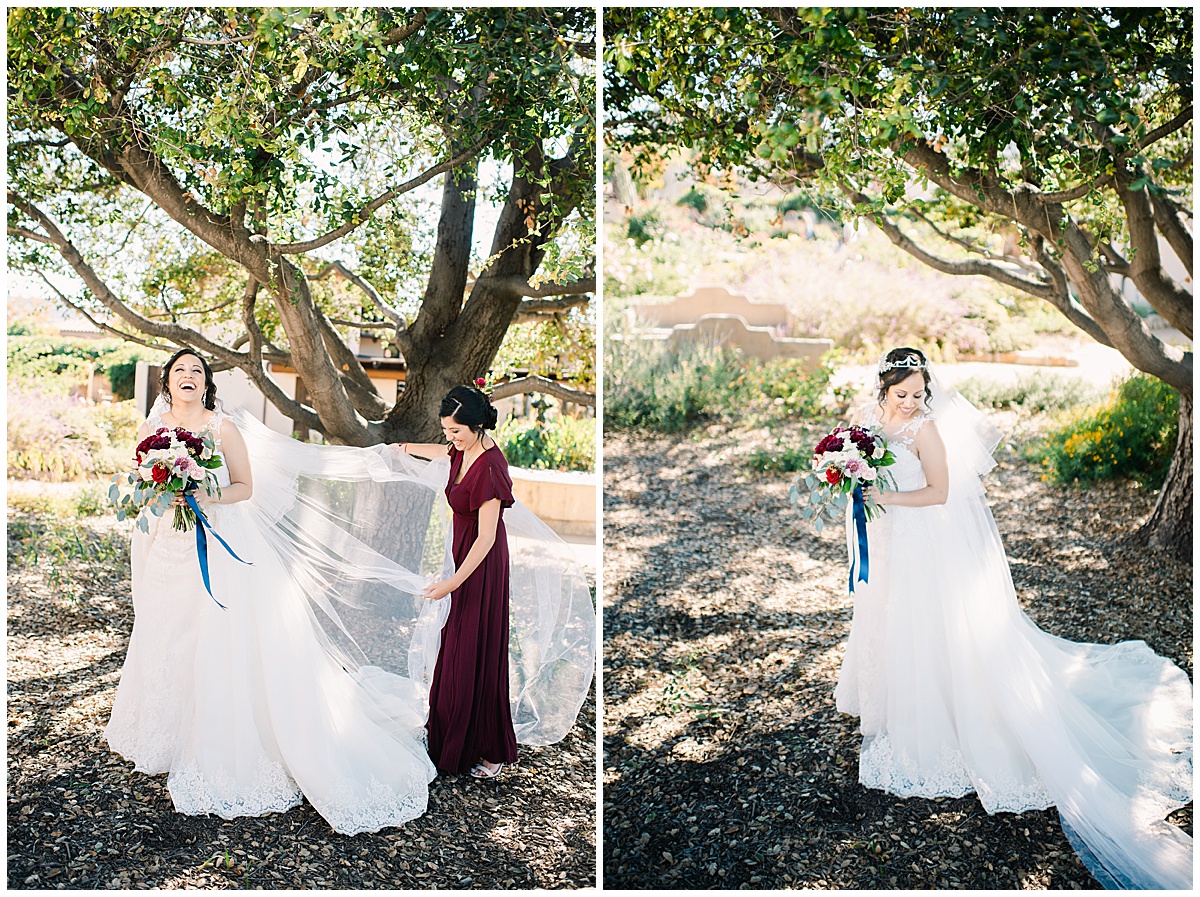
[
  {"x": 1102, "y": 732},
  {"x": 361, "y": 531}
]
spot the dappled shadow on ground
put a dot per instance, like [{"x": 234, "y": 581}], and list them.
[
  {"x": 726, "y": 763},
  {"x": 80, "y": 817}
]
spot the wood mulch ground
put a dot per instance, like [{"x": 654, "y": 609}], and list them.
[
  {"x": 726, "y": 764},
  {"x": 79, "y": 817}
]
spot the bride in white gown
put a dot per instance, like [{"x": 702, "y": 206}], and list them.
[
  {"x": 958, "y": 691},
  {"x": 252, "y": 706}
]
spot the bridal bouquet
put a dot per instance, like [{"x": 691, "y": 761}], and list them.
[
  {"x": 169, "y": 463},
  {"x": 845, "y": 464}
]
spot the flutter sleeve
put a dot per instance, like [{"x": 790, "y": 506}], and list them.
[{"x": 493, "y": 482}]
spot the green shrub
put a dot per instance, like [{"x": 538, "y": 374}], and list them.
[
  {"x": 1036, "y": 392},
  {"x": 60, "y": 363},
  {"x": 1132, "y": 434},
  {"x": 695, "y": 199},
  {"x": 122, "y": 376},
  {"x": 645, "y": 227},
  {"x": 649, "y": 386},
  {"x": 791, "y": 387},
  {"x": 85, "y": 500},
  {"x": 566, "y": 443},
  {"x": 783, "y": 459},
  {"x": 711, "y": 204}
]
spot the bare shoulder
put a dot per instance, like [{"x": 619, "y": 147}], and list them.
[
  {"x": 229, "y": 430},
  {"x": 864, "y": 416},
  {"x": 927, "y": 432}
]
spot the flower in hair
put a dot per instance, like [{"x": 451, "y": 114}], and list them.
[{"x": 485, "y": 385}]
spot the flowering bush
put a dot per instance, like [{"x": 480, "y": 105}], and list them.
[
  {"x": 57, "y": 438},
  {"x": 1133, "y": 434}
]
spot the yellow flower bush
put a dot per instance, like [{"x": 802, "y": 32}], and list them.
[{"x": 1132, "y": 434}]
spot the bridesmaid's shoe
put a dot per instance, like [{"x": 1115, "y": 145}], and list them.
[{"x": 481, "y": 771}]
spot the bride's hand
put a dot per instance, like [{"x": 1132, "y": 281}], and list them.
[{"x": 438, "y": 590}]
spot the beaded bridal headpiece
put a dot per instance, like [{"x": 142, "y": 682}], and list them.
[{"x": 908, "y": 361}]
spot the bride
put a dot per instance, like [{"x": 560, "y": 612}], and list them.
[
  {"x": 260, "y": 693},
  {"x": 958, "y": 691}
]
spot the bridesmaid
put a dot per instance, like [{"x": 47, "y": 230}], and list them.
[{"x": 470, "y": 722}]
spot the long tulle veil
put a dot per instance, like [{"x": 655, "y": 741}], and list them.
[{"x": 361, "y": 531}]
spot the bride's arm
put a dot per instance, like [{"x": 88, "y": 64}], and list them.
[
  {"x": 932, "y": 452},
  {"x": 428, "y": 450},
  {"x": 237, "y": 459}
]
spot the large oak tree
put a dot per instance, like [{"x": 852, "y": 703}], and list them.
[
  {"x": 952, "y": 128},
  {"x": 249, "y": 182}
]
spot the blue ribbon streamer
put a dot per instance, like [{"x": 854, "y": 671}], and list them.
[
  {"x": 863, "y": 560},
  {"x": 202, "y": 545}
]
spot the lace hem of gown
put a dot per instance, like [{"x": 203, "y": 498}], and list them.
[
  {"x": 354, "y": 811},
  {"x": 884, "y": 767},
  {"x": 195, "y": 793}
]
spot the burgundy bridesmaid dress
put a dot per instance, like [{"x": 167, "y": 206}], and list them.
[{"x": 469, "y": 715}]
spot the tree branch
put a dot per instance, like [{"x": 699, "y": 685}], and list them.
[
  {"x": 176, "y": 333},
  {"x": 1168, "y": 218},
  {"x": 1184, "y": 116},
  {"x": 1113, "y": 260},
  {"x": 396, "y": 35},
  {"x": 520, "y": 286},
  {"x": 29, "y": 235},
  {"x": 969, "y": 246},
  {"x": 201, "y": 42},
  {"x": 373, "y": 294},
  {"x": 362, "y": 325},
  {"x": 1077, "y": 191},
  {"x": 534, "y": 383},
  {"x": 98, "y": 324},
  {"x": 966, "y": 267},
  {"x": 361, "y": 391},
  {"x": 1145, "y": 265},
  {"x": 1061, "y": 298},
  {"x": 366, "y": 211},
  {"x": 540, "y": 309},
  {"x": 254, "y": 370}
]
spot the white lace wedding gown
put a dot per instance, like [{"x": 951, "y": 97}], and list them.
[
  {"x": 243, "y": 707},
  {"x": 958, "y": 692}
]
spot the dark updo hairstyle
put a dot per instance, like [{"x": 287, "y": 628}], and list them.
[
  {"x": 209, "y": 399},
  {"x": 469, "y": 406},
  {"x": 892, "y": 376}
]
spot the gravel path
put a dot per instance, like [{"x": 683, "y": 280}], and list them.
[
  {"x": 726, "y": 763},
  {"x": 79, "y": 817}
]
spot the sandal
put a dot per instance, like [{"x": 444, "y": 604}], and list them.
[{"x": 481, "y": 771}]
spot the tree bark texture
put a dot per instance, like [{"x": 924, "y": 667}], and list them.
[{"x": 1169, "y": 528}]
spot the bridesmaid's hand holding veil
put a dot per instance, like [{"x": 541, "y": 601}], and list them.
[{"x": 435, "y": 591}]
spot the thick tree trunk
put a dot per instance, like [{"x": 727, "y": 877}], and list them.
[{"x": 1169, "y": 528}]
